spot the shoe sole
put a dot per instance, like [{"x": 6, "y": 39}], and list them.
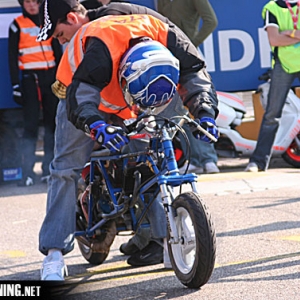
[{"x": 144, "y": 264}]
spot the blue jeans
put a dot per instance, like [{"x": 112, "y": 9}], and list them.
[
  {"x": 281, "y": 82},
  {"x": 72, "y": 150},
  {"x": 201, "y": 152}
]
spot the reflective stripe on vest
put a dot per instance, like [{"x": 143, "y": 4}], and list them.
[
  {"x": 116, "y": 36},
  {"x": 33, "y": 54}
]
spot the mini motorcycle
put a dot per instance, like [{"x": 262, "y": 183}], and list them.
[
  {"x": 230, "y": 122},
  {"x": 116, "y": 191}
]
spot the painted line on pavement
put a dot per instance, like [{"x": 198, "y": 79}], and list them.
[
  {"x": 262, "y": 259},
  {"x": 295, "y": 238},
  {"x": 13, "y": 253},
  {"x": 124, "y": 266},
  {"x": 231, "y": 176}
]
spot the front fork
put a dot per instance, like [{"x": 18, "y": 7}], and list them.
[
  {"x": 167, "y": 199},
  {"x": 167, "y": 203},
  {"x": 170, "y": 180}
]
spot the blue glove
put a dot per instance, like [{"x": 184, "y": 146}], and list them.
[
  {"x": 209, "y": 125},
  {"x": 111, "y": 137}
]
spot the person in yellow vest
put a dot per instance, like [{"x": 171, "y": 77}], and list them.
[
  {"x": 32, "y": 68},
  {"x": 62, "y": 20},
  {"x": 282, "y": 24}
]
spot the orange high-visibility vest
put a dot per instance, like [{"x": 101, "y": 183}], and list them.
[
  {"x": 116, "y": 32},
  {"x": 33, "y": 54}
]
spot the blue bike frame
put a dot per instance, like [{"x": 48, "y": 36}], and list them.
[{"x": 166, "y": 176}]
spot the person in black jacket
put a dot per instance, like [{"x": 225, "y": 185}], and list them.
[
  {"x": 32, "y": 68},
  {"x": 73, "y": 147},
  {"x": 91, "y": 4}
]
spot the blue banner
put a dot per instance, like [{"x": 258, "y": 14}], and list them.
[{"x": 238, "y": 51}]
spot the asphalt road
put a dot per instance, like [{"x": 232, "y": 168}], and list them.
[{"x": 257, "y": 220}]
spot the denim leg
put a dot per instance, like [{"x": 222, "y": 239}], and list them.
[
  {"x": 158, "y": 220},
  {"x": 142, "y": 237},
  {"x": 72, "y": 150},
  {"x": 201, "y": 152},
  {"x": 158, "y": 226},
  {"x": 155, "y": 216},
  {"x": 207, "y": 151},
  {"x": 279, "y": 88}
]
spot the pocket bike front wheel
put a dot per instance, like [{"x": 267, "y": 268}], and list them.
[{"x": 193, "y": 258}]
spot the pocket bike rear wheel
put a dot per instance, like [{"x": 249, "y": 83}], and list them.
[
  {"x": 93, "y": 257},
  {"x": 193, "y": 258}
]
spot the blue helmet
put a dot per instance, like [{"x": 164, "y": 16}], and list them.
[{"x": 148, "y": 74}]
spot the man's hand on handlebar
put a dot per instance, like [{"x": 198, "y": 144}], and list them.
[
  {"x": 209, "y": 125},
  {"x": 111, "y": 137}
]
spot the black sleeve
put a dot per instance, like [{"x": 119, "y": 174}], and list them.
[
  {"x": 13, "y": 52},
  {"x": 270, "y": 19},
  {"x": 95, "y": 71},
  {"x": 124, "y": 9},
  {"x": 96, "y": 66},
  {"x": 57, "y": 49}
]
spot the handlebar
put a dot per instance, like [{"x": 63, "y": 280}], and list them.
[{"x": 135, "y": 126}]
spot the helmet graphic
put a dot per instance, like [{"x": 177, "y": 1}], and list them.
[{"x": 148, "y": 74}]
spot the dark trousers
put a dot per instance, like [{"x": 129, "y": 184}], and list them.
[{"x": 32, "y": 81}]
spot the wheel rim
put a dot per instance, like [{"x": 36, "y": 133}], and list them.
[
  {"x": 293, "y": 152},
  {"x": 85, "y": 248},
  {"x": 185, "y": 251}
]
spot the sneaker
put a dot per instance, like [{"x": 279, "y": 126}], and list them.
[
  {"x": 53, "y": 267},
  {"x": 129, "y": 248},
  {"x": 192, "y": 169},
  {"x": 152, "y": 254},
  {"x": 252, "y": 167},
  {"x": 45, "y": 179},
  {"x": 26, "y": 181},
  {"x": 211, "y": 168}
]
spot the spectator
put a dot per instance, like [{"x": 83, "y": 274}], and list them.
[
  {"x": 187, "y": 15},
  {"x": 62, "y": 188},
  {"x": 281, "y": 23},
  {"x": 37, "y": 62}
]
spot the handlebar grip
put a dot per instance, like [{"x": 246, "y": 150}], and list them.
[
  {"x": 201, "y": 129},
  {"x": 206, "y": 133}
]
